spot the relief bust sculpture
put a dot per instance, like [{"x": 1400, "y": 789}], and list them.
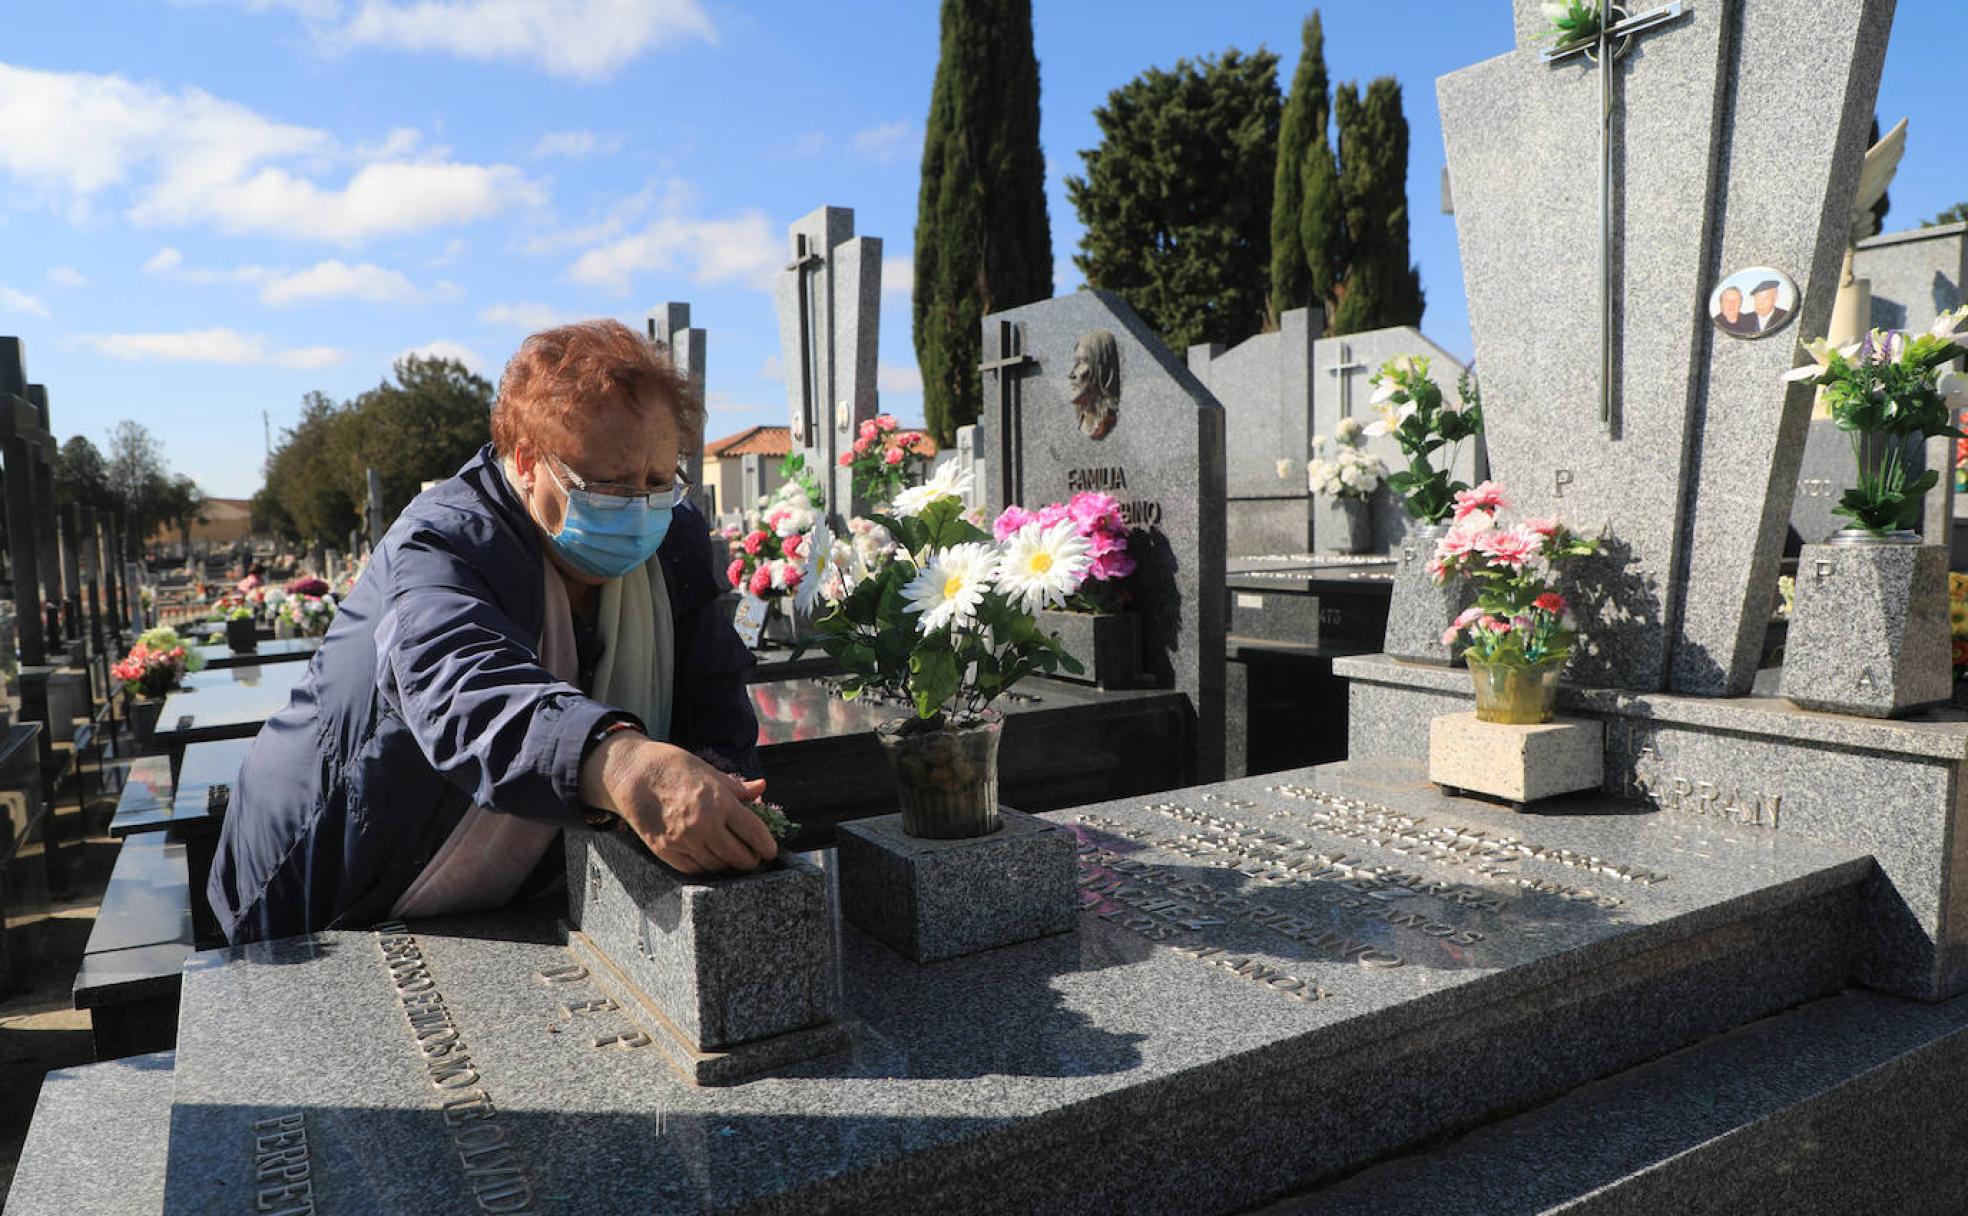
[{"x": 1095, "y": 382}]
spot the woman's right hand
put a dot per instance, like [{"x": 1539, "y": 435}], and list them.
[{"x": 690, "y": 815}]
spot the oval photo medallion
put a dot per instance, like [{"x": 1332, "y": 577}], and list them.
[{"x": 1753, "y": 303}]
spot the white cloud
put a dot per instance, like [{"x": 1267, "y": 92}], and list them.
[
  {"x": 581, "y": 39},
  {"x": 441, "y": 349},
  {"x": 575, "y": 145},
  {"x": 12, "y": 299},
  {"x": 743, "y": 248},
  {"x": 898, "y": 274},
  {"x": 333, "y": 280},
  {"x": 164, "y": 260},
  {"x": 66, "y": 276},
  {"x": 529, "y": 317},
  {"x": 218, "y": 345},
  {"x": 890, "y": 378},
  {"x": 614, "y": 223},
  {"x": 881, "y": 143},
  {"x": 453, "y": 250},
  {"x": 186, "y": 157},
  {"x": 399, "y": 143}
]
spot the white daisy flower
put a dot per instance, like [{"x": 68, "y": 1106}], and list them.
[
  {"x": 1040, "y": 567},
  {"x": 819, "y": 565},
  {"x": 948, "y": 590},
  {"x": 949, "y": 481}
]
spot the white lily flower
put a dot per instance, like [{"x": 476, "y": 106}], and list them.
[
  {"x": 1390, "y": 419},
  {"x": 1383, "y": 393},
  {"x": 1952, "y": 326}
]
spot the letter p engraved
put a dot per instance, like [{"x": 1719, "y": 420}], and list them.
[{"x": 1560, "y": 478}]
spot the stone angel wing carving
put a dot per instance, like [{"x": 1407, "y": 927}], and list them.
[{"x": 1882, "y": 161}]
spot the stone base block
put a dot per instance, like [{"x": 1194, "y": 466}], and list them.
[
  {"x": 1518, "y": 764},
  {"x": 1869, "y": 631},
  {"x": 938, "y": 899},
  {"x": 728, "y": 959}
]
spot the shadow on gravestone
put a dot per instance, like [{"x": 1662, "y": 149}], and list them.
[{"x": 1063, "y": 371}]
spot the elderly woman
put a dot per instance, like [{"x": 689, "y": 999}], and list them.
[{"x": 534, "y": 649}]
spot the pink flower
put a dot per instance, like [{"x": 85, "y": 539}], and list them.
[
  {"x": 861, "y": 446},
  {"x": 754, "y": 543},
  {"x": 1469, "y": 617},
  {"x": 1510, "y": 548},
  {"x": 1438, "y": 570},
  {"x": 1487, "y": 497},
  {"x": 1522, "y": 624},
  {"x": 892, "y": 457},
  {"x": 885, "y": 422},
  {"x": 869, "y": 431},
  {"x": 1543, "y": 527},
  {"x": 1109, "y": 566},
  {"x": 761, "y": 581},
  {"x": 1010, "y": 520},
  {"x": 793, "y": 546},
  {"x": 1449, "y": 635},
  {"x": 735, "y": 572},
  {"x": 1090, "y": 510},
  {"x": 1493, "y": 625},
  {"x": 1550, "y": 602},
  {"x": 1050, "y": 514},
  {"x": 792, "y": 576},
  {"x": 847, "y": 460}
]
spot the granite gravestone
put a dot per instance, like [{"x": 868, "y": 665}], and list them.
[
  {"x": 1343, "y": 391},
  {"x": 1080, "y": 395},
  {"x": 1266, "y": 385},
  {"x": 1693, "y": 473},
  {"x": 829, "y": 303},
  {"x": 1914, "y": 277},
  {"x": 971, "y": 459},
  {"x": 670, "y": 328}
]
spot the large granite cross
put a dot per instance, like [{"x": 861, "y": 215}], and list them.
[{"x": 1752, "y": 119}]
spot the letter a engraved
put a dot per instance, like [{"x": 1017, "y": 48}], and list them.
[{"x": 1865, "y": 680}]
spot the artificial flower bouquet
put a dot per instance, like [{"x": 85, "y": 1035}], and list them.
[
  {"x": 157, "y": 663},
  {"x": 310, "y": 615},
  {"x": 1350, "y": 473},
  {"x": 769, "y": 553},
  {"x": 880, "y": 458},
  {"x": 1413, "y": 410},
  {"x": 1894, "y": 385},
  {"x": 1096, "y": 519}
]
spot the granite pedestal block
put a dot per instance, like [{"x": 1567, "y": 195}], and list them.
[
  {"x": 1419, "y": 612},
  {"x": 1869, "y": 631},
  {"x": 1519, "y": 764},
  {"x": 1107, "y": 644},
  {"x": 728, "y": 960},
  {"x": 939, "y": 899}
]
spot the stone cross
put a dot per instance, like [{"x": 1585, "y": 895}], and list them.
[
  {"x": 1342, "y": 371},
  {"x": 1011, "y": 358},
  {"x": 829, "y": 305},
  {"x": 1616, "y": 35},
  {"x": 670, "y": 328}
]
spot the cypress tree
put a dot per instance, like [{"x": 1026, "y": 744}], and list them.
[
  {"x": 1174, "y": 200},
  {"x": 1381, "y": 287},
  {"x": 983, "y": 239},
  {"x": 1301, "y": 135}
]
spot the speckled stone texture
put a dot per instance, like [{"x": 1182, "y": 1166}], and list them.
[
  {"x": 844, "y": 333},
  {"x": 97, "y": 1143},
  {"x": 1695, "y": 483},
  {"x": 1266, "y": 385},
  {"x": 1518, "y": 764},
  {"x": 1761, "y": 768},
  {"x": 1163, "y": 459},
  {"x": 1107, "y": 644},
  {"x": 728, "y": 959},
  {"x": 1916, "y": 275},
  {"x": 937, "y": 899},
  {"x": 1419, "y": 611},
  {"x": 1869, "y": 631},
  {"x": 1850, "y": 1104},
  {"x": 1241, "y": 947}
]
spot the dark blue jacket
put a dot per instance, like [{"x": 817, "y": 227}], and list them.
[{"x": 428, "y": 696}]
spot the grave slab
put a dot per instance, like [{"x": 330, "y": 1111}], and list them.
[
  {"x": 97, "y": 1143},
  {"x": 1246, "y": 957}
]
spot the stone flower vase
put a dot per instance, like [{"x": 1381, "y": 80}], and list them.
[
  {"x": 1419, "y": 612},
  {"x": 242, "y": 635},
  {"x": 1869, "y": 629},
  {"x": 1344, "y": 526},
  {"x": 946, "y": 780}
]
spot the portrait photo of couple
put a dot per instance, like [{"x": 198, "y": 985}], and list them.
[{"x": 1753, "y": 303}]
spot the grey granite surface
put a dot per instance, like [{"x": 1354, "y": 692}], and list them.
[
  {"x": 1163, "y": 460},
  {"x": 1336, "y": 962},
  {"x": 1847, "y": 1105},
  {"x": 1419, "y": 612},
  {"x": 1916, "y": 274},
  {"x": 1869, "y": 631},
  {"x": 1694, "y": 482},
  {"x": 727, "y": 958},
  {"x": 844, "y": 326},
  {"x": 936, "y": 899},
  {"x": 98, "y": 1142},
  {"x": 1759, "y": 766}
]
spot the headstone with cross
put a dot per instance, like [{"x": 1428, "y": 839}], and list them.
[
  {"x": 829, "y": 305},
  {"x": 1700, "y": 173},
  {"x": 1161, "y": 457},
  {"x": 670, "y": 328}
]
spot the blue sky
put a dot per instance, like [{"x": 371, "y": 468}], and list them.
[{"x": 210, "y": 207}]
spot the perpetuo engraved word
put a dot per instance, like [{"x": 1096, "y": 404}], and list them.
[
  {"x": 1705, "y": 798},
  {"x": 281, "y": 1166},
  {"x": 1472, "y": 842},
  {"x": 494, "y": 1166}
]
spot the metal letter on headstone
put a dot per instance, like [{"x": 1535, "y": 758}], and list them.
[{"x": 1617, "y": 32}]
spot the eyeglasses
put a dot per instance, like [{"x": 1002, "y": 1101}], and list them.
[{"x": 615, "y": 496}]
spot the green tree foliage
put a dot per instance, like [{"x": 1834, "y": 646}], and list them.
[
  {"x": 1957, "y": 214},
  {"x": 1176, "y": 199},
  {"x": 419, "y": 428},
  {"x": 1301, "y": 140},
  {"x": 82, "y": 475},
  {"x": 983, "y": 239},
  {"x": 140, "y": 481},
  {"x": 1382, "y": 287},
  {"x": 181, "y": 505}
]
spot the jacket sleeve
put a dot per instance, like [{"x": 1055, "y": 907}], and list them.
[{"x": 467, "y": 681}]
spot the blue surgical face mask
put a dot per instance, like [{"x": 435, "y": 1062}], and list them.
[{"x": 606, "y": 535}]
